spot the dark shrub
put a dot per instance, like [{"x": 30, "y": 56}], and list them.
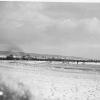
[{"x": 9, "y": 94}]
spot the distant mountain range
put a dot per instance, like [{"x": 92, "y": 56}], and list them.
[{"x": 7, "y": 53}]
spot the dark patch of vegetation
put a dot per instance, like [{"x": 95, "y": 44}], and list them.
[
  {"x": 10, "y": 57},
  {"x": 10, "y": 94}
]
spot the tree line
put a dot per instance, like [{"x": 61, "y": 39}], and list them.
[{"x": 43, "y": 58}]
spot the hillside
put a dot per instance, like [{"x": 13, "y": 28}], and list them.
[{"x": 7, "y": 53}]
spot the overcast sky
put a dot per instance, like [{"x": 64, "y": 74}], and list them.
[{"x": 71, "y": 29}]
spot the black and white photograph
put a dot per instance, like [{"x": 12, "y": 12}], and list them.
[{"x": 49, "y": 50}]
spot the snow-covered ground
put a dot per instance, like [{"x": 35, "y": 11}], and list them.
[{"x": 48, "y": 83}]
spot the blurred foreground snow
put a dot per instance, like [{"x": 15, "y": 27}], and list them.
[{"x": 44, "y": 83}]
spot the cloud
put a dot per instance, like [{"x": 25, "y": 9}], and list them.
[
  {"x": 23, "y": 23},
  {"x": 28, "y": 25},
  {"x": 74, "y": 31},
  {"x": 72, "y": 10}
]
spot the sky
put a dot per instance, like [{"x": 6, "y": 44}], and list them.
[{"x": 62, "y": 28}]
